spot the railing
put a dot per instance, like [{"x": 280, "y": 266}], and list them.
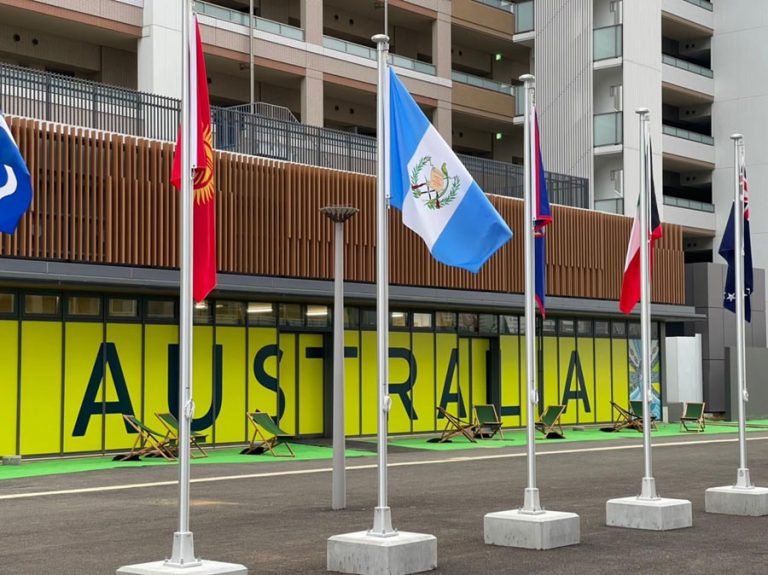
[
  {"x": 55, "y": 98},
  {"x": 485, "y": 83},
  {"x": 688, "y": 135},
  {"x": 610, "y": 206},
  {"x": 370, "y": 54},
  {"x": 519, "y": 93},
  {"x": 689, "y": 204},
  {"x": 524, "y": 17},
  {"x": 607, "y": 42},
  {"x": 685, "y": 65},
  {"x": 237, "y": 17},
  {"x": 505, "y": 5},
  {"x": 271, "y": 111},
  {"x": 706, "y": 4},
  {"x": 609, "y": 129}
]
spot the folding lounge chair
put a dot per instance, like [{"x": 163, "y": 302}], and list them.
[
  {"x": 454, "y": 426},
  {"x": 487, "y": 422},
  {"x": 267, "y": 435},
  {"x": 637, "y": 409},
  {"x": 171, "y": 425},
  {"x": 148, "y": 442},
  {"x": 625, "y": 419},
  {"x": 549, "y": 421},
  {"x": 693, "y": 413}
]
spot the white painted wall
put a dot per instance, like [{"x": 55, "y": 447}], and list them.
[
  {"x": 683, "y": 369},
  {"x": 159, "y": 55}
]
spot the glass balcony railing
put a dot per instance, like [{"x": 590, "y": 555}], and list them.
[
  {"x": 607, "y": 43},
  {"x": 706, "y": 4},
  {"x": 519, "y": 92},
  {"x": 685, "y": 65},
  {"x": 505, "y": 5},
  {"x": 524, "y": 21},
  {"x": 610, "y": 206},
  {"x": 485, "y": 83},
  {"x": 688, "y": 135},
  {"x": 370, "y": 54},
  {"x": 689, "y": 204},
  {"x": 237, "y": 17},
  {"x": 609, "y": 129}
]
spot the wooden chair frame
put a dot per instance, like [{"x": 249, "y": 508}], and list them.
[
  {"x": 547, "y": 428},
  {"x": 455, "y": 426},
  {"x": 699, "y": 421},
  {"x": 261, "y": 420},
  {"x": 487, "y": 428},
  {"x": 171, "y": 424},
  {"x": 626, "y": 419},
  {"x": 148, "y": 442},
  {"x": 639, "y": 405}
]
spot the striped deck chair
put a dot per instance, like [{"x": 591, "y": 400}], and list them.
[
  {"x": 637, "y": 409},
  {"x": 171, "y": 425},
  {"x": 549, "y": 422},
  {"x": 693, "y": 413},
  {"x": 487, "y": 421},
  {"x": 267, "y": 436},
  {"x": 148, "y": 442}
]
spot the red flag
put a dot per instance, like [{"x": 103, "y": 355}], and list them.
[{"x": 201, "y": 145}]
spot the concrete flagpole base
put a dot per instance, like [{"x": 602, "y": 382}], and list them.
[
  {"x": 657, "y": 514},
  {"x": 733, "y": 500},
  {"x": 532, "y": 530},
  {"x": 398, "y": 553},
  {"x": 203, "y": 568}
]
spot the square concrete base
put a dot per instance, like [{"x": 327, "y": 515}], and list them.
[
  {"x": 365, "y": 554},
  {"x": 732, "y": 500},
  {"x": 660, "y": 514},
  {"x": 546, "y": 530},
  {"x": 206, "y": 568}
]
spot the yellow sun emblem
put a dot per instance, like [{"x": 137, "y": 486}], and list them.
[{"x": 203, "y": 182}]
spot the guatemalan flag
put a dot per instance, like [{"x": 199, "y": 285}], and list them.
[
  {"x": 439, "y": 199},
  {"x": 728, "y": 252},
  {"x": 15, "y": 181},
  {"x": 542, "y": 217}
]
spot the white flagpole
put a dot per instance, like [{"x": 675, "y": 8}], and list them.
[
  {"x": 742, "y": 475},
  {"x": 531, "y": 502},
  {"x": 382, "y": 518},
  {"x": 648, "y": 490}
]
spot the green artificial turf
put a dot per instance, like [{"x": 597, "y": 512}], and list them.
[{"x": 32, "y": 468}]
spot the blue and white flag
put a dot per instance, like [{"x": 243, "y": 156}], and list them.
[
  {"x": 15, "y": 182},
  {"x": 439, "y": 199},
  {"x": 728, "y": 252}
]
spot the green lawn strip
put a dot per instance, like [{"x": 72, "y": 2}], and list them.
[{"x": 32, "y": 468}]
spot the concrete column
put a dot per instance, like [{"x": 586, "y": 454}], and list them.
[
  {"x": 312, "y": 21},
  {"x": 312, "y": 111},
  {"x": 441, "y": 44},
  {"x": 159, "y": 52},
  {"x": 443, "y": 120}
]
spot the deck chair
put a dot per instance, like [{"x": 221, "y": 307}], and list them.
[
  {"x": 267, "y": 436},
  {"x": 453, "y": 427},
  {"x": 487, "y": 422},
  {"x": 148, "y": 442},
  {"x": 549, "y": 421},
  {"x": 693, "y": 413},
  {"x": 171, "y": 425},
  {"x": 637, "y": 409},
  {"x": 625, "y": 419}
]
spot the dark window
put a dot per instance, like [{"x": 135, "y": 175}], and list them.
[
  {"x": 122, "y": 308},
  {"x": 351, "y": 317},
  {"x": 230, "y": 313},
  {"x": 290, "y": 315},
  {"x": 160, "y": 309},
  {"x": 509, "y": 324},
  {"x": 368, "y": 319},
  {"x": 7, "y": 303},
  {"x": 468, "y": 322},
  {"x": 81, "y": 306},
  {"x": 445, "y": 320},
  {"x": 38, "y": 304}
]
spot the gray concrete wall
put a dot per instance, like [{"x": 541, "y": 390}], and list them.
[{"x": 757, "y": 383}]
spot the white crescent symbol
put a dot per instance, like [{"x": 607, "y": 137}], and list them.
[{"x": 9, "y": 187}]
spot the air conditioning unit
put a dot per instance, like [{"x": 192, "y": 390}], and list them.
[{"x": 617, "y": 179}]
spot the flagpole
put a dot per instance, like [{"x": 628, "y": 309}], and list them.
[
  {"x": 742, "y": 475},
  {"x": 531, "y": 502},
  {"x": 648, "y": 490},
  {"x": 382, "y": 518}
]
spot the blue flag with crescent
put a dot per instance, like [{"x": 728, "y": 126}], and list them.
[{"x": 15, "y": 181}]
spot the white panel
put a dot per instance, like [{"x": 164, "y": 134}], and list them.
[{"x": 684, "y": 375}]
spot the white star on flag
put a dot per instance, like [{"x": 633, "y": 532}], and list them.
[{"x": 730, "y": 296}]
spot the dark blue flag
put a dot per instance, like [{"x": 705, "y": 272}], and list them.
[
  {"x": 542, "y": 218},
  {"x": 727, "y": 251},
  {"x": 15, "y": 182}
]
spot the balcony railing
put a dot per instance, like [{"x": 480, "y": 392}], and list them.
[
  {"x": 607, "y": 43},
  {"x": 237, "y": 17},
  {"x": 524, "y": 17},
  {"x": 485, "y": 83},
  {"x": 688, "y": 135},
  {"x": 519, "y": 93},
  {"x": 55, "y": 98},
  {"x": 505, "y": 5},
  {"x": 706, "y": 4},
  {"x": 370, "y": 54},
  {"x": 685, "y": 65},
  {"x": 610, "y": 206},
  {"x": 609, "y": 129},
  {"x": 689, "y": 204}
]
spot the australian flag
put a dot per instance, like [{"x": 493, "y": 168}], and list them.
[
  {"x": 728, "y": 252},
  {"x": 15, "y": 181},
  {"x": 542, "y": 217}
]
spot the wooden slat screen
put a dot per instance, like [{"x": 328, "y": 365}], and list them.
[{"x": 105, "y": 198}]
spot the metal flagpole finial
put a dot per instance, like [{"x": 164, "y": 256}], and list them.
[
  {"x": 642, "y": 111},
  {"x": 737, "y": 137},
  {"x": 380, "y": 39}
]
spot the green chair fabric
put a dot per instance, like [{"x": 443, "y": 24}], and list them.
[
  {"x": 171, "y": 425},
  {"x": 487, "y": 421},
  {"x": 549, "y": 421},
  {"x": 693, "y": 413},
  {"x": 267, "y": 436},
  {"x": 148, "y": 442}
]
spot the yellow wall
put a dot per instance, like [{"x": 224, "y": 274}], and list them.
[{"x": 9, "y": 370}]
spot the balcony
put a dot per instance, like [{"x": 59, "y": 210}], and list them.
[
  {"x": 54, "y": 98},
  {"x": 608, "y": 132},
  {"x": 688, "y": 135},
  {"x": 504, "y": 5},
  {"x": 370, "y": 54},
  {"x": 688, "y": 75},
  {"x": 610, "y": 206},
  {"x": 689, "y": 204},
  {"x": 484, "y": 83},
  {"x": 698, "y": 12},
  {"x": 607, "y": 43},
  {"x": 696, "y": 149},
  {"x": 692, "y": 215},
  {"x": 241, "y": 18},
  {"x": 524, "y": 17}
]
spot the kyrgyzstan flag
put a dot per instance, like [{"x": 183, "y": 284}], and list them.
[
  {"x": 542, "y": 217},
  {"x": 630, "y": 284},
  {"x": 201, "y": 146}
]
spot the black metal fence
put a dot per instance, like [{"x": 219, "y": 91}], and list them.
[{"x": 57, "y": 98}]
